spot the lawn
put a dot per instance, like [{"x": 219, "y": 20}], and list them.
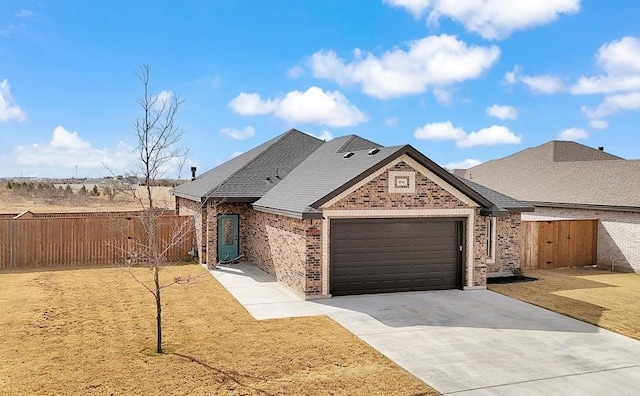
[
  {"x": 92, "y": 331},
  {"x": 603, "y": 298}
]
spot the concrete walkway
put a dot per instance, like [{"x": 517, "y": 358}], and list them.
[{"x": 463, "y": 342}]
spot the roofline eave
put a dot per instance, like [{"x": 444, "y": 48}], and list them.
[{"x": 584, "y": 206}]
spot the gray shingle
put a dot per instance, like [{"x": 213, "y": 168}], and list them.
[
  {"x": 325, "y": 171},
  {"x": 501, "y": 201},
  {"x": 245, "y": 176},
  {"x": 532, "y": 175}
]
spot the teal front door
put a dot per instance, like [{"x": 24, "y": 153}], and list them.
[{"x": 227, "y": 237}]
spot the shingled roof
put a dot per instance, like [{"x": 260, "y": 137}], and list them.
[
  {"x": 563, "y": 174},
  {"x": 245, "y": 176},
  {"x": 304, "y": 172}
]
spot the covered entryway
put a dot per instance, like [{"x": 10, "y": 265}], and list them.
[{"x": 395, "y": 255}]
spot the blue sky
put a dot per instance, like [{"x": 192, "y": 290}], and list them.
[{"x": 463, "y": 82}]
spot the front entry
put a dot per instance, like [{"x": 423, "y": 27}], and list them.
[{"x": 228, "y": 237}]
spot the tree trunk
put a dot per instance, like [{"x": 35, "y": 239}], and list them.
[{"x": 158, "y": 312}]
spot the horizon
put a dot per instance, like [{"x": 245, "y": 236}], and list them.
[{"x": 463, "y": 83}]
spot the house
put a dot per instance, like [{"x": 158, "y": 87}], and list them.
[
  {"x": 567, "y": 180},
  {"x": 350, "y": 216}
]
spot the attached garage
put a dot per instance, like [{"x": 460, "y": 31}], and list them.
[{"x": 395, "y": 255}]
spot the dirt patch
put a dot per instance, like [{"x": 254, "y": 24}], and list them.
[
  {"x": 603, "y": 298},
  {"x": 91, "y": 331},
  {"x": 13, "y": 201}
]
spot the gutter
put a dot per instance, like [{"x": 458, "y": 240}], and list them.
[
  {"x": 289, "y": 213},
  {"x": 584, "y": 206}
]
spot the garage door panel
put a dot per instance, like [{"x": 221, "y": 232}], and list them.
[{"x": 390, "y": 255}]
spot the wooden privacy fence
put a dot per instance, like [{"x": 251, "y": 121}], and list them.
[
  {"x": 38, "y": 240},
  {"x": 558, "y": 243}
]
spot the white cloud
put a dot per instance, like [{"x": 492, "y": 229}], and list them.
[
  {"x": 67, "y": 149},
  {"x": 295, "y": 72},
  {"x": 493, "y": 135},
  {"x": 573, "y": 134},
  {"x": 324, "y": 135},
  {"x": 443, "y": 95},
  {"x": 391, "y": 121},
  {"x": 416, "y": 7},
  {"x": 432, "y": 61},
  {"x": 465, "y": 164},
  {"x": 491, "y": 19},
  {"x": 24, "y": 13},
  {"x": 314, "y": 106},
  {"x": 620, "y": 61},
  {"x": 598, "y": 124},
  {"x": 8, "y": 109},
  {"x": 613, "y": 104},
  {"x": 620, "y": 80},
  {"x": 239, "y": 134},
  {"x": 439, "y": 131},
  {"x": 251, "y": 104},
  {"x": 502, "y": 112},
  {"x": 161, "y": 100},
  {"x": 542, "y": 83}
]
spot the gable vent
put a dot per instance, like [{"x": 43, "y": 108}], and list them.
[
  {"x": 374, "y": 151},
  {"x": 347, "y": 155}
]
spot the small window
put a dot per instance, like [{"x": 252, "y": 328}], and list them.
[{"x": 491, "y": 238}]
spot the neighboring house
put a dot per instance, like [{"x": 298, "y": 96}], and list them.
[
  {"x": 567, "y": 180},
  {"x": 349, "y": 216}
]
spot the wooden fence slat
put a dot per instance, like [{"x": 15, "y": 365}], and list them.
[
  {"x": 40, "y": 241},
  {"x": 558, "y": 243}
]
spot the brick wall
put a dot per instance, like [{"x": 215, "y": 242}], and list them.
[
  {"x": 428, "y": 195},
  {"x": 618, "y": 234},
  {"x": 186, "y": 207},
  {"x": 508, "y": 241},
  {"x": 375, "y": 194},
  {"x": 287, "y": 248}
]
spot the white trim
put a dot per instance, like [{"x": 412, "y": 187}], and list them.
[
  {"x": 415, "y": 165},
  {"x": 410, "y": 188},
  {"x": 328, "y": 215}
]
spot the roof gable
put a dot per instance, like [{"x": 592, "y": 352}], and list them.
[{"x": 329, "y": 172}]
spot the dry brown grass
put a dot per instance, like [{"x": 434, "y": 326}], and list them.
[
  {"x": 12, "y": 201},
  {"x": 603, "y": 298},
  {"x": 91, "y": 331}
]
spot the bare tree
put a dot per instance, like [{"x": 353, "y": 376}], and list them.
[{"x": 159, "y": 154}]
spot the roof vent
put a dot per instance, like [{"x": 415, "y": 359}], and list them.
[
  {"x": 374, "y": 151},
  {"x": 601, "y": 148},
  {"x": 268, "y": 179},
  {"x": 347, "y": 155}
]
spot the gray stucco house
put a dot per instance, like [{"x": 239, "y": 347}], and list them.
[
  {"x": 349, "y": 216},
  {"x": 569, "y": 181}
]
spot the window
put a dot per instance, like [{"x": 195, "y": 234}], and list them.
[{"x": 491, "y": 239}]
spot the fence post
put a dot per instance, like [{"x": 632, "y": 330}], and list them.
[{"x": 13, "y": 243}]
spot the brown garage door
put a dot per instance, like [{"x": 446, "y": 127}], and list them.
[{"x": 394, "y": 255}]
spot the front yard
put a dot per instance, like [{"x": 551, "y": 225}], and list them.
[
  {"x": 603, "y": 298},
  {"x": 92, "y": 331}
]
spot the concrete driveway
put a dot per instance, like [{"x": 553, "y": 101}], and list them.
[{"x": 463, "y": 342}]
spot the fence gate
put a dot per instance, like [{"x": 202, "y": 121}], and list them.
[{"x": 558, "y": 243}]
